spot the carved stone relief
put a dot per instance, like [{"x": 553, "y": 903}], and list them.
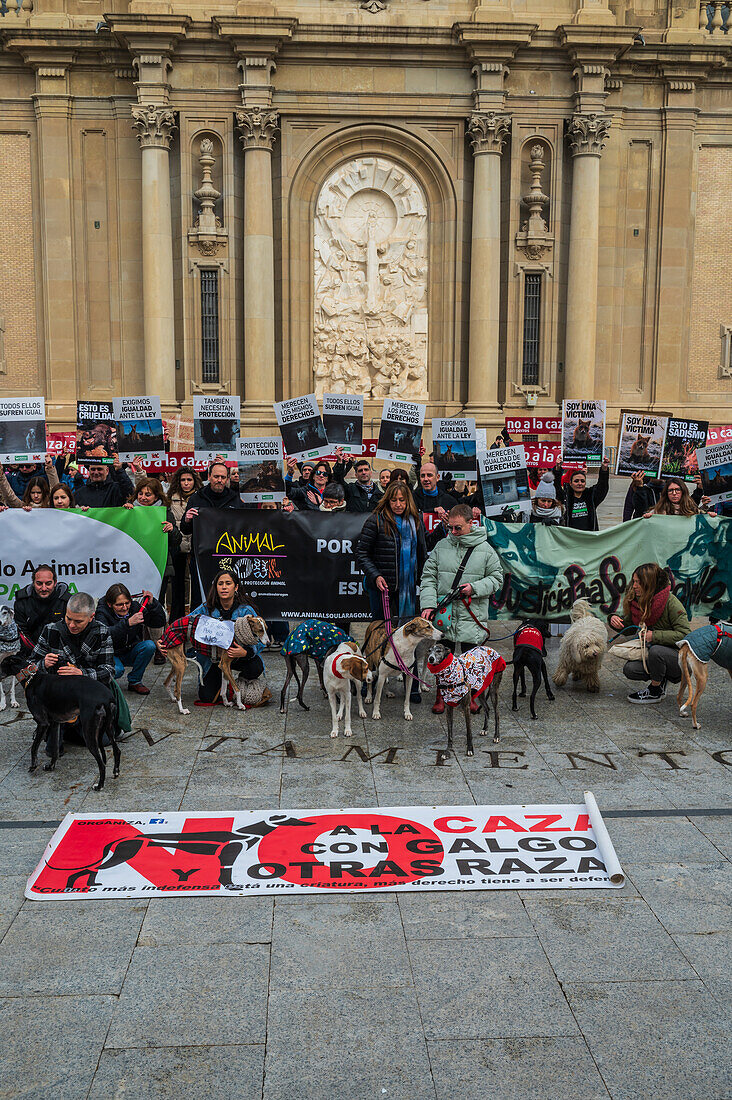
[{"x": 370, "y": 282}]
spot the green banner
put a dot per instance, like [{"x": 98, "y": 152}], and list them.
[{"x": 547, "y": 568}]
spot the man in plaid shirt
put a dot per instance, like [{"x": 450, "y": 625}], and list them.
[{"x": 78, "y": 645}]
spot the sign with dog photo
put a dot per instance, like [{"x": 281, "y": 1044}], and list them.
[
  {"x": 139, "y": 428},
  {"x": 260, "y": 470},
  {"x": 400, "y": 431},
  {"x": 386, "y": 849},
  {"x": 301, "y": 427},
  {"x": 343, "y": 421},
  {"x": 715, "y": 466},
  {"x": 640, "y": 445},
  {"x": 216, "y": 421},
  {"x": 583, "y": 432},
  {"x": 22, "y": 429},
  {"x": 454, "y": 446},
  {"x": 96, "y": 432},
  {"x": 505, "y": 481}
]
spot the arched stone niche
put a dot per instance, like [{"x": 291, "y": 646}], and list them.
[{"x": 370, "y": 259}]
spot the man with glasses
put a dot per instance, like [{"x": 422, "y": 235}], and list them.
[{"x": 466, "y": 552}]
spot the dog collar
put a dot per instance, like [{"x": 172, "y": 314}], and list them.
[
  {"x": 445, "y": 663},
  {"x": 26, "y": 674},
  {"x": 333, "y": 666}
]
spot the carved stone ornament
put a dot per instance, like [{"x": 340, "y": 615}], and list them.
[
  {"x": 534, "y": 239},
  {"x": 257, "y": 127},
  {"x": 370, "y": 269},
  {"x": 154, "y": 125},
  {"x": 207, "y": 234},
  {"x": 488, "y": 131},
  {"x": 587, "y": 134}
]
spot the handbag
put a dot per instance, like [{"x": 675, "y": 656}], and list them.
[
  {"x": 633, "y": 650},
  {"x": 443, "y": 611}
]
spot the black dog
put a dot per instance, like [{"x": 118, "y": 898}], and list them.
[
  {"x": 54, "y": 699},
  {"x": 529, "y": 651}
]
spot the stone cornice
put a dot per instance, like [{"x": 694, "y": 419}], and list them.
[{"x": 253, "y": 36}]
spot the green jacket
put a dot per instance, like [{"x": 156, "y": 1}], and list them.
[
  {"x": 671, "y": 627},
  {"x": 483, "y": 572}
]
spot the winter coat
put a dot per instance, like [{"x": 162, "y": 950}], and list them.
[
  {"x": 123, "y": 635},
  {"x": 482, "y": 571},
  {"x": 19, "y": 482},
  {"x": 33, "y": 613},
  {"x": 206, "y": 498},
  {"x": 10, "y": 498},
  {"x": 377, "y": 551},
  {"x": 178, "y": 505},
  {"x": 591, "y": 497},
  {"x": 303, "y": 495},
  {"x": 359, "y": 498},
  {"x": 426, "y": 503},
  {"x": 113, "y": 492},
  {"x": 671, "y": 626}
]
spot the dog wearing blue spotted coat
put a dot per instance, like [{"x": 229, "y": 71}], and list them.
[{"x": 712, "y": 642}]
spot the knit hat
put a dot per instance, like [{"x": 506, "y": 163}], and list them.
[
  {"x": 309, "y": 465},
  {"x": 545, "y": 489}
]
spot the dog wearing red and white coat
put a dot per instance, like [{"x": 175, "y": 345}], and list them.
[
  {"x": 475, "y": 675},
  {"x": 529, "y": 652},
  {"x": 343, "y": 667}
]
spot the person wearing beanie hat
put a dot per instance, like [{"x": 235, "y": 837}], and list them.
[{"x": 545, "y": 508}]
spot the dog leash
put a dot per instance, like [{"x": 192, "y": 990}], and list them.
[{"x": 390, "y": 635}]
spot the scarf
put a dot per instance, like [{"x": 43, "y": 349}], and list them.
[
  {"x": 341, "y": 504},
  {"x": 658, "y": 606},
  {"x": 407, "y": 566},
  {"x": 548, "y": 513}
]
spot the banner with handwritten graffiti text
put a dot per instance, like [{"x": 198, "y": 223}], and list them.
[{"x": 547, "y": 568}]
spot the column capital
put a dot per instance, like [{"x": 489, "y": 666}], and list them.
[
  {"x": 154, "y": 126},
  {"x": 587, "y": 134},
  {"x": 257, "y": 128},
  {"x": 488, "y": 131}
]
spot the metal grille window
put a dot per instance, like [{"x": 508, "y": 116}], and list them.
[
  {"x": 209, "y": 325},
  {"x": 532, "y": 316}
]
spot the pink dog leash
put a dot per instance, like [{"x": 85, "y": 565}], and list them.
[{"x": 390, "y": 635}]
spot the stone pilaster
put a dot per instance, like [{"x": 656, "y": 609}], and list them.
[
  {"x": 487, "y": 132},
  {"x": 257, "y": 130},
  {"x": 586, "y": 135},
  {"x": 154, "y": 126}
]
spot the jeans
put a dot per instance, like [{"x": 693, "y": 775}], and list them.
[
  {"x": 663, "y": 664},
  {"x": 250, "y": 667},
  {"x": 136, "y": 659}
]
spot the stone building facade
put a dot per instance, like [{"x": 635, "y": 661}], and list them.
[{"x": 485, "y": 204}]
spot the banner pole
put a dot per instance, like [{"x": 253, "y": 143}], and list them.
[{"x": 604, "y": 843}]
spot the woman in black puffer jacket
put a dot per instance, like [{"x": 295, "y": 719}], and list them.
[{"x": 391, "y": 550}]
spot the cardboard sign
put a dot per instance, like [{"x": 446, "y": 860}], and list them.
[
  {"x": 400, "y": 432},
  {"x": 216, "y": 422},
  {"x": 22, "y": 429},
  {"x": 683, "y": 439},
  {"x": 218, "y": 632},
  {"x": 96, "y": 432},
  {"x": 343, "y": 421},
  {"x": 392, "y": 849},
  {"x": 454, "y": 446},
  {"x": 505, "y": 481},
  {"x": 260, "y": 470},
  {"x": 640, "y": 445},
  {"x": 715, "y": 467},
  {"x": 583, "y": 431},
  {"x": 139, "y": 427},
  {"x": 301, "y": 427}
]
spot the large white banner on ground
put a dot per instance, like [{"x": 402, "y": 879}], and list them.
[{"x": 327, "y": 851}]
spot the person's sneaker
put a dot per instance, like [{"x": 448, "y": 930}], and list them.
[
  {"x": 138, "y": 689},
  {"x": 646, "y": 695},
  {"x": 662, "y": 687}
]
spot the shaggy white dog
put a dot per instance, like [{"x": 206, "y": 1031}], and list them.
[{"x": 582, "y": 648}]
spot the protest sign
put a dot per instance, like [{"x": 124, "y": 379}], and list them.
[
  {"x": 640, "y": 445},
  {"x": 260, "y": 470},
  {"x": 139, "y": 427},
  {"x": 683, "y": 439},
  {"x": 393, "y": 849},
  {"x": 583, "y": 431},
  {"x": 301, "y": 427},
  {"x": 60, "y": 443},
  {"x": 481, "y": 440},
  {"x": 533, "y": 425},
  {"x": 343, "y": 421},
  {"x": 215, "y": 426},
  {"x": 400, "y": 432},
  {"x": 218, "y": 632},
  {"x": 89, "y": 550},
  {"x": 298, "y": 565},
  {"x": 168, "y": 463},
  {"x": 542, "y": 456},
  {"x": 719, "y": 435},
  {"x": 96, "y": 432},
  {"x": 22, "y": 429},
  {"x": 715, "y": 466},
  {"x": 504, "y": 480},
  {"x": 542, "y": 574},
  {"x": 454, "y": 447}
]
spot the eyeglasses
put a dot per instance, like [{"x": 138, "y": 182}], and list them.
[
  {"x": 674, "y": 489},
  {"x": 458, "y": 527},
  {"x": 321, "y": 473}
]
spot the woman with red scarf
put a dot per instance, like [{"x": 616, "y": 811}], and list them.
[{"x": 649, "y": 602}]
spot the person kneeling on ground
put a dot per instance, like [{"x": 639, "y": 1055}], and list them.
[
  {"x": 649, "y": 602},
  {"x": 125, "y": 621},
  {"x": 226, "y": 600}
]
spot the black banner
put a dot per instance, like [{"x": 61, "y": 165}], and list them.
[{"x": 295, "y": 565}]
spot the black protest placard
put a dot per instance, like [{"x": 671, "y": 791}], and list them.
[
  {"x": 400, "y": 431},
  {"x": 96, "y": 432},
  {"x": 583, "y": 431},
  {"x": 22, "y": 429},
  {"x": 139, "y": 427},
  {"x": 454, "y": 446},
  {"x": 301, "y": 427},
  {"x": 216, "y": 420},
  {"x": 683, "y": 439},
  {"x": 343, "y": 421},
  {"x": 640, "y": 444},
  {"x": 293, "y": 565}
]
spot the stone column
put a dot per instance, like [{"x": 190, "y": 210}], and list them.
[
  {"x": 587, "y": 134},
  {"x": 257, "y": 130},
  {"x": 154, "y": 126},
  {"x": 487, "y": 132}
]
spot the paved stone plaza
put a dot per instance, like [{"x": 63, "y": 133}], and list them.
[{"x": 536, "y": 995}]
